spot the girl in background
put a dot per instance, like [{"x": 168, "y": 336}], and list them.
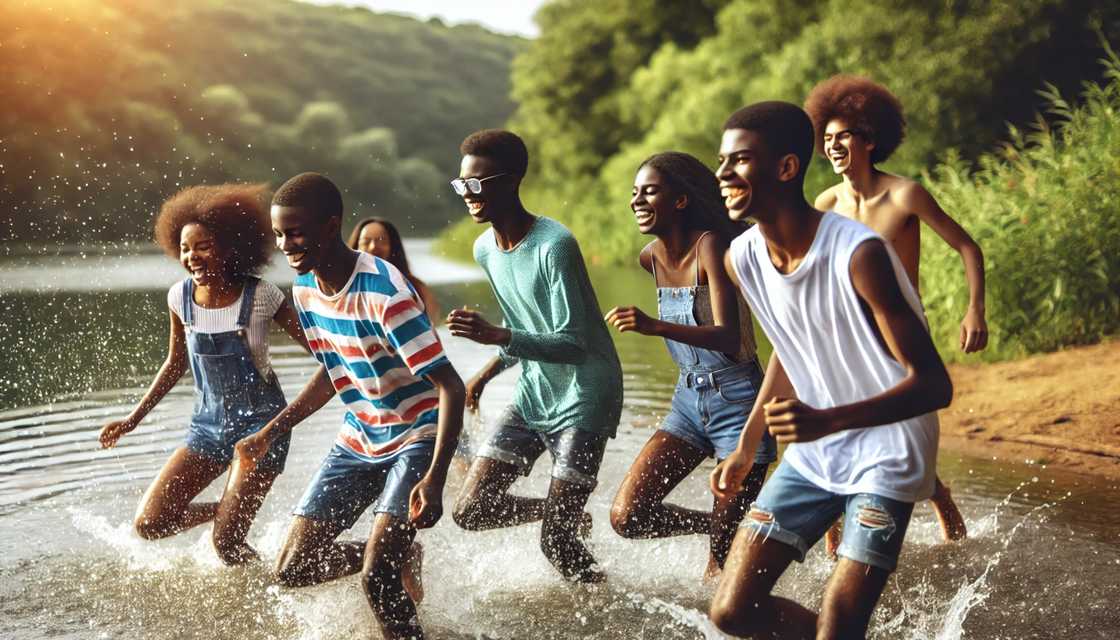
[{"x": 378, "y": 237}]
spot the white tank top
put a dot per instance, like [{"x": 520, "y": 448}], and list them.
[{"x": 830, "y": 351}]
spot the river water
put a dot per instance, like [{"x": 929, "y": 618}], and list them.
[{"x": 82, "y": 335}]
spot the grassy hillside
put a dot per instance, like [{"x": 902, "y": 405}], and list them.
[{"x": 111, "y": 105}]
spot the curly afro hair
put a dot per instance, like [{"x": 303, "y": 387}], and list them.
[
  {"x": 237, "y": 215},
  {"x": 867, "y": 106}
]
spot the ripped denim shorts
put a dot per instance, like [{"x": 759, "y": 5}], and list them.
[{"x": 794, "y": 511}]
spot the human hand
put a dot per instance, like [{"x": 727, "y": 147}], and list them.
[
  {"x": 791, "y": 420},
  {"x": 425, "y": 503},
  {"x": 469, "y": 324},
  {"x": 250, "y": 450},
  {"x": 113, "y": 431},
  {"x": 475, "y": 387},
  {"x": 726, "y": 480},
  {"x": 631, "y": 319},
  {"x": 974, "y": 331}
]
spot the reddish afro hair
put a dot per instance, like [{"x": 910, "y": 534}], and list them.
[
  {"x": 237, "y": 215},
  {"x": 868, "y": 107}
]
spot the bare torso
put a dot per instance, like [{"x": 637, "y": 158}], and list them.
[{"x": 887, "y": 213}]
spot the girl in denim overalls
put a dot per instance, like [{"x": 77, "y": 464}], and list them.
[
  {"x": 708, "y": 330},
  {"x": 220, "y": 316}
]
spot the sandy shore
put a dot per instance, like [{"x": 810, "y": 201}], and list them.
[{"x": 1059, "y": 409}]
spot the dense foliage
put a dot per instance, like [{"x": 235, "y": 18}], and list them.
[
  {"x": 611, "y": 82},
  {"x": 109, "y": 106},
  {"x": 1045, "y": 210}
]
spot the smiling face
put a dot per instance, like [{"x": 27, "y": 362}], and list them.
[
  {"x": 203, "y": 256},
  {"x": 845, "y": 147},
  {"x": 374, "y": 239},
  {"x": 302, "y": 236},
  {"x": 742, "y": 170},
  {"x": 498, "y": 194},
  {"x": 655, "y": 205}
]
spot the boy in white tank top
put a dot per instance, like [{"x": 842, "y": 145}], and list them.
[{"x": 852, "y": 386}]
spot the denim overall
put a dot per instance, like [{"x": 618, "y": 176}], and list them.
[
  {"x": 232, "y": 399},
  {"x": 714, "y": 394}
]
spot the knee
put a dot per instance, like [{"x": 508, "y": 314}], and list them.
[
  {"x": 467, "y": 513},
  {"x": 625, "y": 520},
  {"x": 728, "y": 620},
  {"x": 147, "y": 529}
]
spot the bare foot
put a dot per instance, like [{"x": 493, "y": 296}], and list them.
[
  {"x": 948, "y": 515},
  {"x": 411, "y": 576},
  {"x": 832, "y": 540},
  {"x": 590, "y": 575}
]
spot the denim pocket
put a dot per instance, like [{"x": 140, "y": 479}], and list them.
[{"x": 738, "y": 390}]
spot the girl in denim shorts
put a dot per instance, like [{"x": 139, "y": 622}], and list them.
[
  {"x": 707, "y": 328},
  {"x": 219, "y": 321}
]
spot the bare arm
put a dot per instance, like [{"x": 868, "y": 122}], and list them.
[
  {"x": 316, "y": 393},
  {"x": 925, "y": 388},
  {"x": 723, "y": 335},
  {"x": 169, "y": 374},
  {"x": 488, "y": 372},
  {"x": 288, "y": 320},
  {"x": 426, "y": 499},
  {"x": 974, "y": 328},
  {"x": 729, "y": 475},
  {"x": 826, "y": 200}
]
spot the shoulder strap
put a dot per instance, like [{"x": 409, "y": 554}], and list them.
[
  {"x": 696, "y": 257},
  {"x": 247, "y": 294},
  {"x": 188, "y": 302}
]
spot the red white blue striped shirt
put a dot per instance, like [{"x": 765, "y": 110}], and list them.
[{"x": 376, "y": 343}]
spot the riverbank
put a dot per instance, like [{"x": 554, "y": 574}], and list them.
[{"x": 1057, "y": 409}]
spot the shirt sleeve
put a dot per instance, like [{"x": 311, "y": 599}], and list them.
[
  {"x": 408, "y": 330},
  {"x": 566, "y": 344},
  {"x": 175, "y": 300},
  {"x": 271, "y": 297}
]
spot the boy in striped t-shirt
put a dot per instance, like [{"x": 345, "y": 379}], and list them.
[{"x": 378, "y": 352}]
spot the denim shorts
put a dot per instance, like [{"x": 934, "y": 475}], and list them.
[
  {"x": 794, "y": 511},
  {"x": 576, "y": 454},
  {"x": 217, "y": 443},
  {"x": 710, "y": 409},
  {"x": 345, "y": 485}
]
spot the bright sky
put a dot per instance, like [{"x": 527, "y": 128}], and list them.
[{"x": 505, "y": 16}]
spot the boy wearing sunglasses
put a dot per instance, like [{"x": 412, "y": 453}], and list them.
[{"x": 569, "y": 396}]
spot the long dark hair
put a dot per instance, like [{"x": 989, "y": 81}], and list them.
[
  {"x": 397, "y": 258},
  {"x": 690, "y": 177}
]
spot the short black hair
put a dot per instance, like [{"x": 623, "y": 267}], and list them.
[
  {"x": 313, "y": 191},
  {"x": 867, "y": 106},
  {"x": 504, "y": 146},
  {"x": 785, "y": 128}
]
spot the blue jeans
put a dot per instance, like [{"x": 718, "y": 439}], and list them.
[
  {"x": 710, "y": 409},
  {"x": 345, "y": 486},
  {"x": 576, "y": 455},
  {"x": 796, "y": 512}
]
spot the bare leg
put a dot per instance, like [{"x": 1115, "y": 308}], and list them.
[
  {"x": 849, "y": 600},
  {"x": 743, "y": 604},
  {"x": 560, "y": 541},
  {"x": 948, "y": 515},
  {"x": 412, "y": 576},
  {"x": 639, "y": 511},
  {"x": 726, "y": 515},
  {"x": 166, "y": 507},
  {"x": 485, "y": 503},
  {"x": 242, "y": 498},
  {"x": 832, "y": 538},
  {"x": 310, "y": 554},
  {"x": 386, "y": 556}
]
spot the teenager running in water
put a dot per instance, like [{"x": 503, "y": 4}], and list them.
[
  {"x": 858, "y": 124},
  {"x": 569, "y": 397},
  {"x": 404, "y": 404},
  {"x": 708, "y": 330},
  {"x": 853, "y": 387},
  {"x": 379, "y": 237},
  {"x": 220, "y": 318}
]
